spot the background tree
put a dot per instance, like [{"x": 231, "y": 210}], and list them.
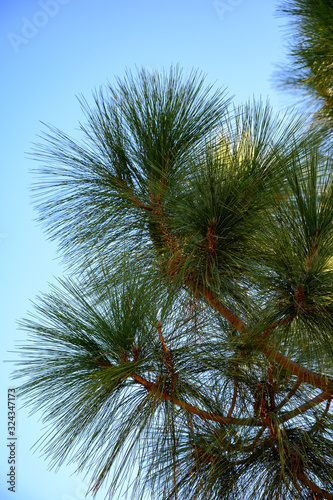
[
  {"x": 193, "y": 341},
  {"x": 310, "y": 72}
]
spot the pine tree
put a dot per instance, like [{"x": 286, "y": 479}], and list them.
[
  {"x": 192, "y": 342},
  {"x": 310, "y": 72}
]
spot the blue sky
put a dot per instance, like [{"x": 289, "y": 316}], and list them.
[{"x": 52, "y": 50}]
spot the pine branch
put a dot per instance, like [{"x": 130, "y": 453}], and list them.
[
  {"x": 303, "y": 374},
  {"x": 323, "y": 396},
  {"x": 234, "y": 398},
  {"x": 289, "y": 395},
  {"x": 319, "y": 493},
  {"x": 250, "y": 447},
  {"x": 203, "y": 191},
  {"x": 130, "y": 196},
  {"x": 152, "y": 387},
  {"x": 224, "y": 311},
  {"x": 167, "y": 353}
]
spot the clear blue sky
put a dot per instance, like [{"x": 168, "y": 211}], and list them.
[{"x": 52, "y": 50}]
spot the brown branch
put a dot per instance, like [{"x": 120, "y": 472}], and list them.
[
  {"x": 323, "y": 396},
  {"x": 150, "y": 386},
  {"x": 104, "y": 363},
  {"x": 159, "y": 329},
  {"x": 327, "y": 406},
  {"x": 139, "y": 204},
  {"x": 319, "y": 492},
  {"x": 234, "y": 398},
  {"x": 202, "y": 455},
  {"x": 269, "y": 330},
  {"x": 289, "y": 395},
  {"x": 167, "y": 353},
  {"x": 130, "y": 196},
  {"x": 303, "y": 374},
  {"x": 256, "y": 439},
  {"x": 232, "y": 318},
  {"x": 224, "y": 311},
  {"x": 271, "y": 389}
]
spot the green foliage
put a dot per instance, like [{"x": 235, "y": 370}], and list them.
[
  {"x": 136, "y": 134},
  {"x": 311, "y": 54},
  {"x": 194, "y": 344}
]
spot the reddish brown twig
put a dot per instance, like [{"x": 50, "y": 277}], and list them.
[
  {"x": 323, "y": 396},
  {"x": 167, "y": 353},
  {"x": 303, "y": 374},
  {"x": 224, "y": 311},
  {"x": 289, "y": 395},
  {"x": 319, "y": 493},
  {"x": 234, "y": 398},
  {"x": 150, "y": 386},
  {"x": 130, "y": 196}
]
